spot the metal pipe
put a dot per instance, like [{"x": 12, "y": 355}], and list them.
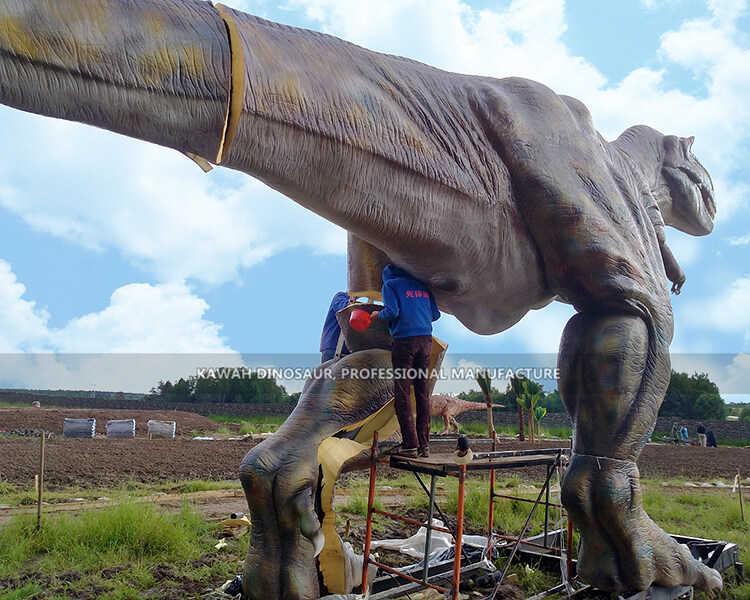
[
  {"x": 510, "y": 538},
  {"x": 546, "y": 505},
  {"x": 437, "y": 506},
  {"x": 410, "y": 521},
  {"x": 459, "y": 531},
  {"x": 523, "y": 531},
  {"x": 428, "y": 536},
  {"x": 407, "y": 577},
  {"x": 525, "y": 500},
  {"x": 370, "y": 503}
]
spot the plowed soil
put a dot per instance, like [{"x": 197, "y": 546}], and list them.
[
  {"x": 102, "y": 462},
  {"x": 51, "y": 419}
]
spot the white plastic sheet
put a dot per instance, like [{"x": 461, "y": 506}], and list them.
[
  {"x": 121, "y": 428},
  {"x": 79, "y": 428},
  {"x": 161, "y": 429},
  {"x": 414, "y": 546}
]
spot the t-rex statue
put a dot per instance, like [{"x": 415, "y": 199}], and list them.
[
  {"x": 497, "y": 193},
  {"x": 448, "y": 407}
]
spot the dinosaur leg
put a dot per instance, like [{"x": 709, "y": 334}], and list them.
[
  {"x": 280, "y": 477},
  {"x": 613, "y": 377},
  {"x": 446, "y": 424},
  {"x": 453, "y": 423}
]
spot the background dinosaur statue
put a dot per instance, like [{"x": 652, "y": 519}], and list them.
[
  {"x": 499, "y": 194},
  {"x": 449, "y": 407}
]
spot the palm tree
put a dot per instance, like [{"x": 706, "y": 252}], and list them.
[
  {"x": 485, "y": 384},
  {"x": 518, "y": 386},
  {"x": 539, "y": 413}
]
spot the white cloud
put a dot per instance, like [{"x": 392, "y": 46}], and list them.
[
  {"x": 146, "y": 333},
  {"x": 155, "y": 206},
  {"x": 144, "y": 318},
  {"x": 23, "y": 325},
  {"x": 727, "y": 311},
  {"x": 740, "y": 241}
]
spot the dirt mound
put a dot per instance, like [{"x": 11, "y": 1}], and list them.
[
  {"x": 51, "y": 419},
  {"x": 101, "y": 462}
]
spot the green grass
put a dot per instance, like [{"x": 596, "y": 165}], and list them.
[
  {"x": 710, "y": 514},
  {"x": 30, "y": 590},
  {"x": 138, "y": 540},
  {"x": 8, "y": 404},
  {"x": 25, "y": 496},
  {"x": 479, "y": 428},
  {"x": 94, "y": 539},
  {"x": 356, "y": 504},
  {"x": 257, "y": 419}
]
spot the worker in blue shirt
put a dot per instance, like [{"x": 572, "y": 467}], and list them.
[
  {"x": 329, "y": 338},
  {"x": 410, "y": 310}
]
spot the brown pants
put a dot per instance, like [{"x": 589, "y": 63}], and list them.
[{"x": 412, "y": 353}]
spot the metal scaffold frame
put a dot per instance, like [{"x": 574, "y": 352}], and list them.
[{"x": 445, "y": 466}]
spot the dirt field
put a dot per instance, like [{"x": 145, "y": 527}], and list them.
[
  {"x": 51, "y": 419},
  {"x": 102, "y": 462}
]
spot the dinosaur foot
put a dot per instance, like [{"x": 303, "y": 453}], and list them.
[
  {"x": 622, "y": 549},
  {"x": 285, "y": 535}
]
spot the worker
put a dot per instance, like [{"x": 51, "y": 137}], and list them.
[
  {"x": 329, "y": 338},
  {"x": 701, "y": 431},
  {"x": 711, "y": 439},
  {"x": 409, "y": 308},
  {"x": 675, "y": 434}
]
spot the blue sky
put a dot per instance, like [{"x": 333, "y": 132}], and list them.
[{"x": 112, "y": 245}]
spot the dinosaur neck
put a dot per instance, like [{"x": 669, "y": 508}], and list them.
[
  {"x": 153, "y": 70},
  {"x": 643, "y": 146}
]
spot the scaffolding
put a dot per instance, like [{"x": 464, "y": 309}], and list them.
[{"x": 445, "y": 465}]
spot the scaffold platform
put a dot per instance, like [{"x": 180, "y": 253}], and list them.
[{"x": 445, "y": 465}]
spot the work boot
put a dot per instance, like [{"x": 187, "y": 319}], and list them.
[
  {"x": 407, "y": 452},
  {"x": 424, "y": 452}
]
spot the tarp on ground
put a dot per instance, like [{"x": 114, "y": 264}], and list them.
[
  {"x": 121, "y": 428},
  {"x": 79, "y": 428},
  {"x": 161, "y": 429}
]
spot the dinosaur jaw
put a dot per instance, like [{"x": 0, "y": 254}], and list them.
[
  {"x": 693, "y": 206},
  {"x": 153, "y": 70}
]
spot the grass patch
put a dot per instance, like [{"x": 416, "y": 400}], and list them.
[
  {"x": 18, "y": 496},
  {"x": 356, "y": 504},
  {"x": 8, "y": 404},
  {"x": 128, "y": 552},
  {"x": 479, "y": 428},
  {"x": 199, "y": 485},
  {"x": 94, "y": 539},
  {"x": 30, "y": 590},
  {"x": 257, "y": 419}
]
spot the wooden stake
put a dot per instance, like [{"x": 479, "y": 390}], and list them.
[
  {"x": 36, "y": 483},
  {"x": 739, "y": 487},
  {"x": 41, "y": 484}
]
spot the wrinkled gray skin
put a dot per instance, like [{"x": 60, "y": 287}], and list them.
[{"x": 499, "y": 194}]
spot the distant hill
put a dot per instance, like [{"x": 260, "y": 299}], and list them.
[{"x": 76, "y": 394}]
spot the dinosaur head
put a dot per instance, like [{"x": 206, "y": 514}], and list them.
[{"x": 686, "y": 197}]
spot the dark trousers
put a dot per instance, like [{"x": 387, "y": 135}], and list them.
[{"x": 412, "y": 353}]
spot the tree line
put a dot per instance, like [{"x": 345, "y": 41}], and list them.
[
  {"x": 249, "y": 390},
  {"x": 688, "y": 396}
]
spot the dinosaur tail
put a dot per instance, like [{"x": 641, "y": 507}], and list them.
[{"x": 465, "y": 406}]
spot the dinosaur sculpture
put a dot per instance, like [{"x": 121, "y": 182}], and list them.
[
  {"x": 449, "y": 407},
  {"x": 499, "y": 194}
]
